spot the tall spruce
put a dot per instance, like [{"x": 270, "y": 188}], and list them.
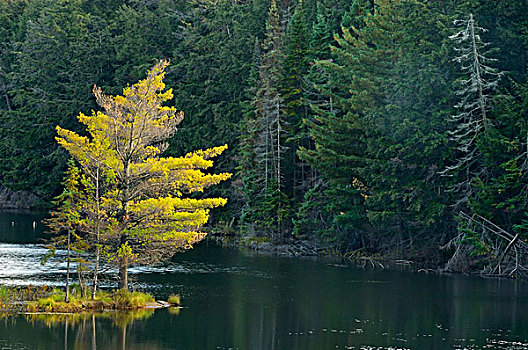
[
  {"x": 310, "y": 217},
  {"x": 374, "y": 115},
  {"x": 268, "y": 131},
  {"x": 338, "y": 131},
  {"x": 294, "y": 90}
]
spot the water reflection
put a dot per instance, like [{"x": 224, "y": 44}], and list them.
[
  {"x": 229, "y": 311},
  {"x": 21, "y": 227},
  {"x": 235, "y": 299},
  {"x": 107, "y": 330}
]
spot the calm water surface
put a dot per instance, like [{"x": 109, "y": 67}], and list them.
[{"x": 239, "y": 300}]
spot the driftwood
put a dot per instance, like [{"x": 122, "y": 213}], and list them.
[{"x": 503, "y": 254}]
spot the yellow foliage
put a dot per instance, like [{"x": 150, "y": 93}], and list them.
[{"x": 143, "y": 194}]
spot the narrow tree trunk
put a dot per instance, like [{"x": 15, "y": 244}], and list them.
[
  {"x": 123, "y": 273},
  {"x": 66, "y": 298},
  {"x": 478, "y": 75},
  {"x": 123, "y": 260},
  {"x": 82, "y": 285},
  {"x": 96, "y": 270},
  {"x": 279, "y": 174},
  {"x": 97, "y": 232}
]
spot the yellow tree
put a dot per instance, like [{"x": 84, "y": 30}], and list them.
[{"x": 144, "y": 209}]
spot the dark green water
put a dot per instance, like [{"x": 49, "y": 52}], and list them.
[{"x": 240, "y": 300}]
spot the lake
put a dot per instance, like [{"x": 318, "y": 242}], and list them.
[{"x": 234, "y": 299}]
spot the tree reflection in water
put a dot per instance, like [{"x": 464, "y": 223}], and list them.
[{"x": 82, "y": 327}]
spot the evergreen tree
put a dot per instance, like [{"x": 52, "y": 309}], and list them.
[
  {"x": 309, "y": 217},
  {"x": 267, "y": 129},
  {"x": 366, "y": 135},
  {"x": 59, "y": 55},
  {"x": 501, "y": 196},
  {"x": 296, "y": 66},
  {"x": 62, "y": 224},
  {"x": 248, "y": 167},
  {"x": 149, "y": 214},
  {"x": 406, "y": 194},
  {"x": 339, "y": 134}
]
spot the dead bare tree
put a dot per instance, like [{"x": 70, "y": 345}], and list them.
[
  {"x": 487, "y": 247},
  {"x": 478, "y": 82}
]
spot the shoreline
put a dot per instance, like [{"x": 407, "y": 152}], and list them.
[
  {"x": 315, "y": 250},
  {"x": 318, "y": 250}
]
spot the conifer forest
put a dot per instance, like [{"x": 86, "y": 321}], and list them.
[{"x": 390, "y": 127}]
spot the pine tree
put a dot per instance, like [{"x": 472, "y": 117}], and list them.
[
  {"x": 248, "y": 168},
  {"x": 338, "y": 131},
  {"x": 294, "y": 90},
  {"x": 148, "y": 213},
  {"x": 406, "y": 196},
  {"x": 310, "y": 218},
  {"x": 266, "y": 131},
  {"x": 64, "y": 221},
  {"x": 60, "y": 53}
]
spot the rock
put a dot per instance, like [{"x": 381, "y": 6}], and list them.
[
  {"x": 158, "y": 304},
  {"x": 17, "y": 199},
  {"x": 265, "y": 246}
]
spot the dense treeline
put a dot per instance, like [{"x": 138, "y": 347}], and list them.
[{"x": 366, "y": 123}]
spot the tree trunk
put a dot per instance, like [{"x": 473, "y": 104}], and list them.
[
  {"x": 123, "y": 260},
  {"x": 482, "y": 103},
  {"x": 67, "y": 296},
  {"x": 96, "y": 271},
  {"x": 97, "y": 232},
  {"x": 82, "y": 285},
  {"x": 123, "y": 273}
]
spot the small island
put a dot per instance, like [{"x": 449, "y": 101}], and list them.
[{"x": 46, "y": 300}]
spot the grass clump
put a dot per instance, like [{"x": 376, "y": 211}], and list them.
[
  {"x": 16, "y": 299},
  {"x": 174, "y": 300},
  {"x": 55, "y": 303},
  {"x": 131, "y": 300},
  {"x": 115, "y": 300}
]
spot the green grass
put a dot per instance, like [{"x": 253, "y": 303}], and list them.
[
  {"x": 132, "y": 300},
  {"x": 174, "y": 299},
  {"x": 45, "y": 299},
  {"x": 116, "y": 300}
]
